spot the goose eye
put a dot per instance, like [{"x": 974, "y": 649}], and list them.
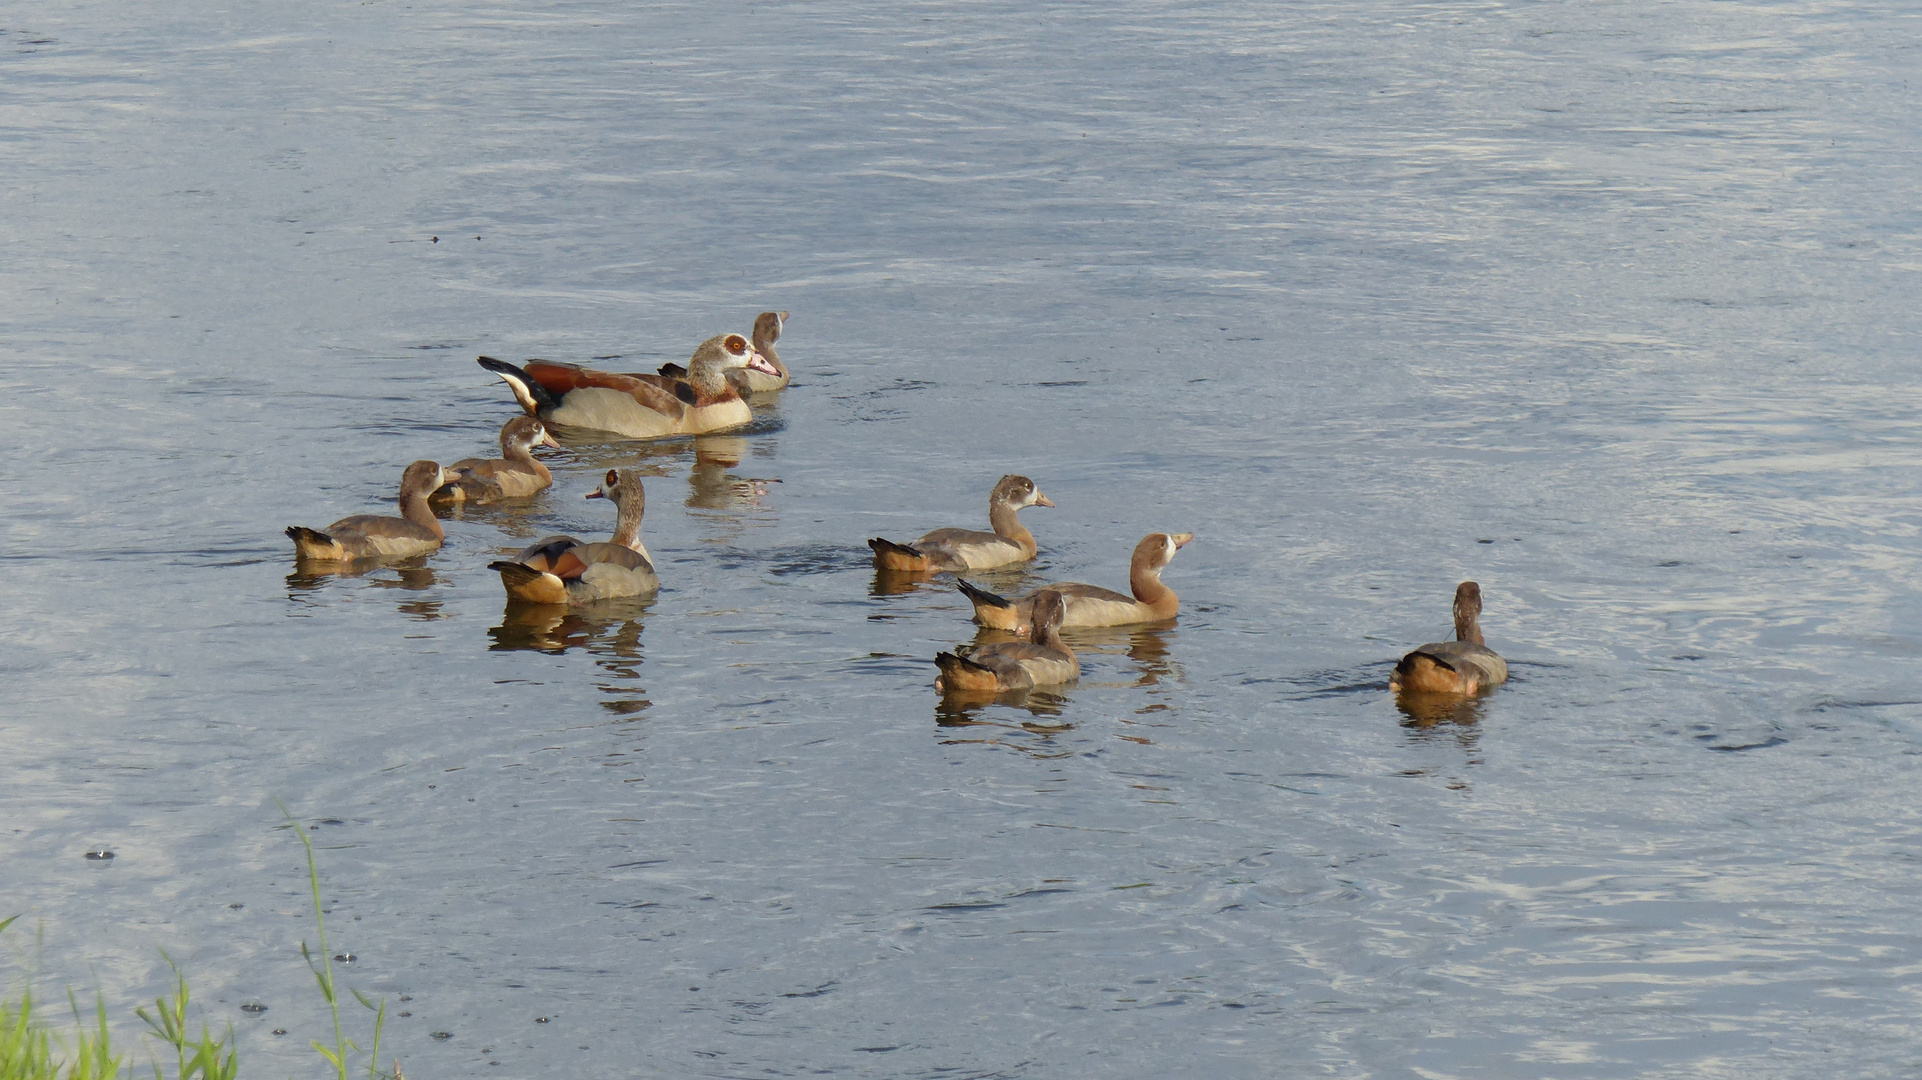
[
  {"x": 735, "y": 343},
  {"x": 613, "y": 478}
]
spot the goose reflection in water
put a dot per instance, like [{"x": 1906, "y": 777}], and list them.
[
  {"x": 412, "y": 575},
  {"x": 981, "y": 712},
  {"x": 713, "y": 487},
  {"x": 1428, "y": 712},
  {"x": 608, "y": 630}
]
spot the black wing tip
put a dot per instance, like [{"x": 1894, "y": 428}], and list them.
[
  {"x": 980, "y": 595},
  {"x": 1408, "y": 662}
]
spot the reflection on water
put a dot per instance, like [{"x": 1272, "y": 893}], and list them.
[
  {"x": 978, "y": 712},
  {"x": 960, "y": 708},
  {"x": 899, "y": 582},
  {"x": 1426, "y": 711},
  {"x": 1146, "y": 646},
  {"x": 412, "y": 574},
  {"x": 713, "y": 488},
  {"x": 610, "y": 631}
]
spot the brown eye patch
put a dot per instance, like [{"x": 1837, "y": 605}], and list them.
[
  {"x": 613, "y": 478},
  {"x": 735, "y": 343}
]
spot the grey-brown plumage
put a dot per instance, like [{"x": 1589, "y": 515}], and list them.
[
  {"x": 1043, "y": 660},
  {"x": 968, "y": 549},
  {"x": 637, "y": 406},
  {"x": 1465, "y": 665},
  {"x": 371, "y": 537},
  {"x": 563, "y": 570},
  {"x": 1092, "y": 605},
  {"x": 517, "y": 473}
]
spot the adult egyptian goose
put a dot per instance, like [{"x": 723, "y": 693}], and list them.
[
  {"x": 638, "y": 406},
  {"x": 1043, "y": 660},
  {"x": 965, "y": 549},
  {"x": 515, "y": 474},
  {"x": 767, "y": 331},
  {"x": 365, "y": 537},
  {"x": 562, "y": 570},
  {"x": 1091, "y": 605},
  {"x": 1462, "y": 666}
]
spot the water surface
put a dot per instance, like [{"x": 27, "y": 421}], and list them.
[{"x": 1610, "y": 308}]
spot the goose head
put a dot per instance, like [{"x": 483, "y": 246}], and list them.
[
  {"x": 1018, "y": 491},
  {"x": 726, "y": 352}
]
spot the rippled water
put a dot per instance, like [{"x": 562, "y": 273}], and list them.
[{"x": 1609, "y": 307}]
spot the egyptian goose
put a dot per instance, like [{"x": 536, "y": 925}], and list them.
[
  {"x": 562, "y": 570},
  {"x": 767, "y": 331},
  {"x": 638, "y": 406},
  {"x": 516, "y": 473},
  {"x": 965, "y": 549},
  {"x": 1091, "y": 605},
  {"x": 1015, "y": 665},
  {"x": 370, "y": 536},
  {"x": 1462, "y": 666}
]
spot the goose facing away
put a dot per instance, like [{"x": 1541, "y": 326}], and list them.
[
  {"x": 767, "y": 331},
  {"x": 364, "y": 537},
  {"x": 515, "y": 474},
  {"x": 967, "y": 549},
  {"x": 563, "y": 570},
  {"x": 638, "y": 406},
  {"x": 1091, "y": 605},
  {"x": 1465, "y": 665},
  {"x": 1043, "y": 660}
]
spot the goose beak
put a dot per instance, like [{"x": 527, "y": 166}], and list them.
[
  {"x": 1181, "y": 539},
  {"x": 1042, "y": 500},
  {"x": 595, "y": 494},
  {"x": 547, "y": 440},
  {"x": 757, "y": 362}
]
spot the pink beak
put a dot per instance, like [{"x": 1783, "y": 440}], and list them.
[{"x": 757, "y": 362}]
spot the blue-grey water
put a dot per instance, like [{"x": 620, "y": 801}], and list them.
[{"x": 1610, "y": 307}]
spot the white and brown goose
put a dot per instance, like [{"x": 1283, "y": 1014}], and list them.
[
  {"x": 767, "y": 331},
  {"x": 638, "y": 406},
  {"x": 1465, "y": 665},
  {"x": 968, "y": 549},
  {"x": 1092, "y": 605},
  {"x": 517, "y": 473},
  {"x": 1043, "y": 660},
  {"x": 563, "y": 570},
  {"x": 370, "y": 537}
]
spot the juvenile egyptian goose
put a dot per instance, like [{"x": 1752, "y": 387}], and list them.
[
  {"x": 1091, "y": 605},
  {"x": 1462, "y": 666},
  {"x": 767, "y": 331},
  {"x": 562, "y": 570},
  {"x": 965, "y": 549},
  {"x": 370, "y": 536},
  {"x": 1014, "y": 665},
  {"x": 638, "y": 406},
  {"x": 515, "y": 474}
]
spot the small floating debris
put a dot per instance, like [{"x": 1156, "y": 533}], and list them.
[
  {"x": 254, "y": 1007},
  {"x": 345, "y": 957},
  {"x": 540, "y": 1019},
  {"x": 280, "y": 1031},
  {"x": 236, "y": 907},
  {"x": 100, "y": 856},
  {"x": 443, "y": 1036}
]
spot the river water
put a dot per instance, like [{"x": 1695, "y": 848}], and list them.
[{"x": 1611, "y": 308}]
